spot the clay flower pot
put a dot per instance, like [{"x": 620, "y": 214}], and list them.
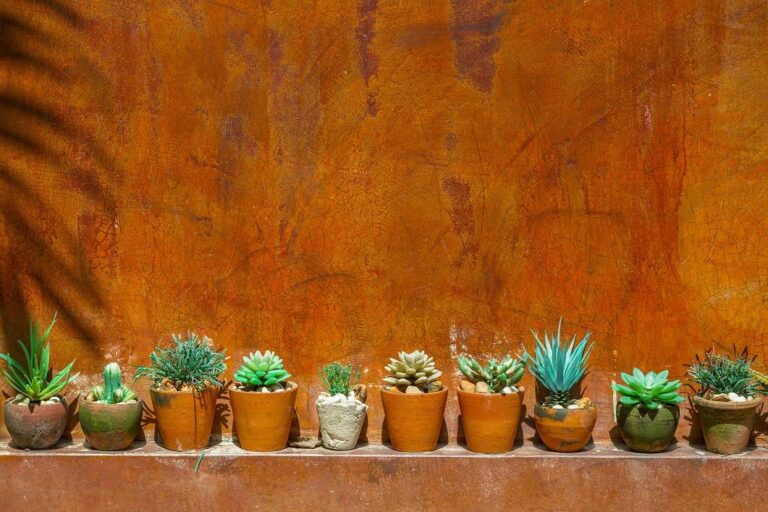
[
  {"x": 647, "y": 430},
  {"x": 414, "y": 421},
  {"x": 263, "y": 420},
  {"x": 341, "y": 420},
  {"x": 565, "y": 430},
  {"x": 490, "y": 421},
  {"x": 36, "y": 426},
  {"x": 110, "y": 427},
  {"x": 184, "y": 418},
  {"x": 727, "y": 426}
]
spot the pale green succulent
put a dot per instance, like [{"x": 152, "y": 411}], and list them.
[
  {"x": 414, "y": 369},
  {"x": 262, "y": 370},
  {"x": 497, "y": 374}
]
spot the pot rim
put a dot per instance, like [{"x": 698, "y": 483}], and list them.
[
  {"x": 233, "y": 389},
  {"x": 727, "y": 406},
  {"x": 415, "y": 395},
  {"x": 569, "y": 411},
  {"x": 493, "y": 396},
  {"x": 62, "y": 400}
]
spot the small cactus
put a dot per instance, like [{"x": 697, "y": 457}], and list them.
[{"x": 113, "y": 391}]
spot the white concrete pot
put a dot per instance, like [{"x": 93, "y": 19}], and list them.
[{"x": 341, "y": 420}]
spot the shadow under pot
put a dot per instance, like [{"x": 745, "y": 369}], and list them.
[
  {"x": 490, "y": 421},
  {"x": 727, "y": 426},
  {"x": 565, "y": 430},
  {"x": 36, "y": 425},
  {"x": 414, "y": 421},
  {"x": 262, "y": 421},
  {"x": 110, "y": 427},
  {"x": 647, "y": 430},
  {"x": 184, "y": 418}
]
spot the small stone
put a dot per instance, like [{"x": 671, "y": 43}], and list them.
[
  {"x": 482, "y": 387},
  {"x": 467, "y": 386},
  {"x": 412, "y": 390},
  {"x": 574, "y": 406},
  {"x": 507, "y": 391},
  {"x": 361, "y": 393},
  {"x": 54, "y": 399},
  {"x": 557, "y": 406},
  {"x": 281, "y": 390},
  {"x": 433, "y": 387},
  {"x": 720, "y": 397},
  {"x": 275, "y": 387},
  {"x": 583, "y": 403},
  {"x": 264, "y": 389}
]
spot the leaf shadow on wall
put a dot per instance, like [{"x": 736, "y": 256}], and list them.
[{"x": 52, "y": 167}]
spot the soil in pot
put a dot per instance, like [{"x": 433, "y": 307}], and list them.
[
  {"x": 110, "y": 427},
  {"x": 647, "y": 430},
  {"x": 727, "y": 426},
  {"x": 262, "y": 421},
  {"x": 341, "y": 420},
  {"x": 184, "y": 418},
  {"x": 565, "y": 430},
  {"x": 36, "y": 426},
  {"x": 490, "y": 421},
  {"x": 414, "y": 421}
]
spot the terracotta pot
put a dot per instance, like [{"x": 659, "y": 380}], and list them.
[
  {"x": 647, "y": 430},
  {"x": 36, "y": 426},
  {"x": 490, "y": 421},
  {"x": 565, "y": 430},
  {"x": 184, "y": 418},
  {"x": 110, "y": 427},
  {"x": 727, "y": 426},
  {"x": 414, "y": 421},
  {"x": 262, "y": 420}
]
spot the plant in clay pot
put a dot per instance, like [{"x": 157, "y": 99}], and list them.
[
  {"x": 37, "y": 416},
  {"x": 262, "y": 400},
  {"x": 490, "y": 403},
  {"x": 648, "y": 410},
  {"x": 414, "y": 402},
  {"x": 563, "y": 423},
  {"x": 726, "y": 400},
  {"x": 184, "y": 386},
  {"x": 341, "y": 409},
  {"x": 111, "y": 413}
]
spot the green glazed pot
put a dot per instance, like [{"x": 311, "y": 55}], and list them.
[
  {"x": 727, "y": 426},
  {"x": 647, "y": 430},
  {"x": 110, "y": 426}
]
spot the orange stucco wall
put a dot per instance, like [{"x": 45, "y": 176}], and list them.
[{"x": 343, "y": 179}]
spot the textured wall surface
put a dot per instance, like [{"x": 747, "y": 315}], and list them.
[{"x": 342, "y": 179}]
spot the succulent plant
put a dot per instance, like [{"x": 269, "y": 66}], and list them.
[
  {"x": 113, "y": 391},
  {"x": 336, "y": 378},
  {"x": 33, "y": 380},
  {"x": 719, "y": 374},
  {"x": 556, "y": 367},
  {"x": 650, "y": 390},
  {"x": 188, "y": 363},
  {"x": 497, "y": 374},
  {"x": 261, "y": 370},
  {"x": 414, "y": 369}
]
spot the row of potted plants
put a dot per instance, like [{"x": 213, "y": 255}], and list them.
[{"x": 186, "y": 382}]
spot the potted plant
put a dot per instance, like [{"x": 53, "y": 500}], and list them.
[
  {"x": 262, "y": 400},
  {"x": 184, "y": 386},
  {"x": 111, "y": 413},
  {"x": 726, "y": 400},
  {"x": 648, "y": 411},
  {"x": 414, "y": 402},
  {"x": 341, "y": 409},
  {"x": 564, "y": 423},
  {"x": 490, "y": 403},
  {"x": 37, "y": 416}
]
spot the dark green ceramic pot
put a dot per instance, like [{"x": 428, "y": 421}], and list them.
[
  {"x": 647, "y": 430},
  {"x": 110, "y": 426}
]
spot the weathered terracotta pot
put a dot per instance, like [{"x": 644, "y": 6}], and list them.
[
  {"x": 565, "y": 430},
  {"x": 490, "y": 421},
  {"x": 110, "y": 427},
  {"x": 414, "y": 421},
  {"x": 647, "y": 430},
  {"x": 36, "y": 426},
  {"x": 262, "y": 420},
  {"x": 727, "y": 426},
  {"x": 184, "y": 418}
]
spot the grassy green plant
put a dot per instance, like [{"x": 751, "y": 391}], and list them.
[
  {"x": 722, "y": 374},
  {"x": 113, "y": 391},
  {"x": 414, "y": 369},
  {"x": 650, "y": 390},
  {"x": 32, "y": 378},
  {"x": 337, "y": 377},
  {"x": 187, "y": 363},
  {"x": 261, "y": 370},
  {"x": 497, "y": 374},
  {"x": 556, "y": 367}
]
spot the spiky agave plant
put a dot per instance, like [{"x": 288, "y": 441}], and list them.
[
  {"x": 497, "y": 374},
  {"x": 414, "y": 369},
  {"x": 262, "y": 370},
  {"x": 113, "y": 391},
  {"x": 650, "y": 390},
  {"x": 556, "y": 367}
]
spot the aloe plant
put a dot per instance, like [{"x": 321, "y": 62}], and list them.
[{"x": 650, "y": 390}]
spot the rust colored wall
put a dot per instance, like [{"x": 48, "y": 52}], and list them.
[{"x": 342, "y": 179}]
